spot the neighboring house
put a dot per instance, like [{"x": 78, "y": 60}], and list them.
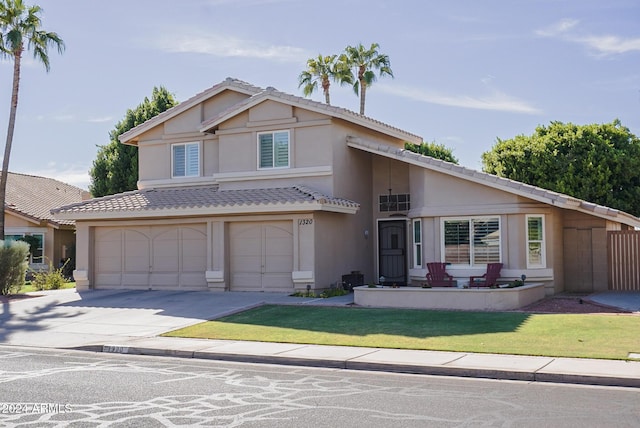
[
  {"x": 242, "y": 188},
  {"x": 28, "y": 203}
]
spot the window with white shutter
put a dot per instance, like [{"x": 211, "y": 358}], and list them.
[
  {"x": 185, "y": 160},
  {"x": 471, "y": 241},
  {"x": 273, "y": 149}
]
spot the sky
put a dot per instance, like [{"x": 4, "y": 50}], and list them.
[{"x": 466, "y": 72}]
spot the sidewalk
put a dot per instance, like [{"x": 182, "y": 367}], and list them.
[
  {"x": 494, "y": 366},
  {"x": 130, "y": 322}
]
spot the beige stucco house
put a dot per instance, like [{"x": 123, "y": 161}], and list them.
[
  {"x": 28, "y": 203},
  {"x": 243, "y": 188}
]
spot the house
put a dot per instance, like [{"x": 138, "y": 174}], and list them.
[
  {"x": 28, "y": 203},
  {"x": 250, "y": 189}
]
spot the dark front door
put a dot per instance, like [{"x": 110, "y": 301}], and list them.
[{"x": 392, "y": 250}]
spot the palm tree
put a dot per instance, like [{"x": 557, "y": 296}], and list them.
[
  {"x": 20, "y": 31},
  {"x": 364, "y": 64},
  {"x": 320, "y": 71}
]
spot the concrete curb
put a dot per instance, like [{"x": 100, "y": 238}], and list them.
[{"x": 435, "y": 370}]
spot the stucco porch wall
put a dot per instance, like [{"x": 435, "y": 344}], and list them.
[{"x": 495, "y": 299}]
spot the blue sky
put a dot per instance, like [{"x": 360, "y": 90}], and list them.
[{"x": 466, "y": 72}]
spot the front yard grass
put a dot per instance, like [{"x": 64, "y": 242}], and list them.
[
  {"x": 28, "y": 287},
  {"x": 558, "y": 335}
]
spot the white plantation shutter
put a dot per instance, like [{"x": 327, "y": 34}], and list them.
[
  {"x": 186, "y": 160},
  {"x": 273, "y": 150},
  {"x": 266, "y": 150},
  {"x": 281, "y": 149},
  {"x": 193, "y": 160},
  {"x": 179, "y": 154},
  {"x": 486, "y": 241}
]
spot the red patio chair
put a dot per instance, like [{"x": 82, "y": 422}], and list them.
[
  {"x": 488, "y": 279},
  {"x": 438, "y": 276}
]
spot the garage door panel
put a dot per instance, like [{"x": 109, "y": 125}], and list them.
[
  {"x": 108, "y": 253},
  {"x": 261, "y": 256},
  {"x": 166, "y": 252},
  {"x": 136, "y": 247},
  {"x": 194, "y": 252},
  {"x": 109, "y": 279}
]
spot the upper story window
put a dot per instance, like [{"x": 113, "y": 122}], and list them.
[
  {"x": 471, "y": 241},
  {"x": 273, "y": 149},
  {"x": 185, "y": 160},
  {"x": 535, "y": 242},
  {"x": 394, "y": 203}
]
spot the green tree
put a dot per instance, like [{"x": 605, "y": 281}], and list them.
[
  {"x": 115, "y": 168},
  {"x": 438, "y": 151},
  {"x": 598, "y": 163},
  {"x": 21, "y": 30},
  {"x": 320, "y": 71},
  {"x": 364, "y": 64}
]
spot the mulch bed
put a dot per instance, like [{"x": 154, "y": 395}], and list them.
[{"x": 571, "y": 305}]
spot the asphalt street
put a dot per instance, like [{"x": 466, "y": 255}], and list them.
[{"x": 57, "y": 388}]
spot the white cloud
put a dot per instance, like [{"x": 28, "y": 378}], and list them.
[
  {"x": 602, "y": 45},
  {"x": 496, "y": 101},
  {"x": 610, "y": 44},
  {"x": 558, "y": 28},
  {"x": 100, "y": 119},
  {"x": 227, "y": 46}
]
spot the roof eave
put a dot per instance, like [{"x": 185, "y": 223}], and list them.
[{"x": 208, "y": 211}]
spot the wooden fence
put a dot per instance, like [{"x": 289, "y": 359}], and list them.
[{"x": 623, "y": 252}]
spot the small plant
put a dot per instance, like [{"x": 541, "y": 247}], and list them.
[
  {"x": 303, "y": 294},
  {"x": 51, "y": 279},
  {"x": 372, "y": 285},
  {"x": 333, "y": 292}
]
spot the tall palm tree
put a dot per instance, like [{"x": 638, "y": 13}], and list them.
[
  {"x": 364, "y": 63},
  {"x": 20, "y": 31},
  {"x": 320, "y": 71}
]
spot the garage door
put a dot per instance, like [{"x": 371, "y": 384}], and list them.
[
  {"x": 154, "y": 257},
  {"x": 261, "y": 256}
]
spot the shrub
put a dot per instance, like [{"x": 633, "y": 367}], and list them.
[
  {"x": 13, "y": 265},
  {"x": 51, "y": 279}
]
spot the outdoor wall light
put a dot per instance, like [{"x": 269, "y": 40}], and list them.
[{"x": 366, "y": 234}]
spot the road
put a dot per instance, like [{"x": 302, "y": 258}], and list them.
[{"x": 71, "y": 388}]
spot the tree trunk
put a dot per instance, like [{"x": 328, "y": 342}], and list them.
[
  {"x": 363, "y": 92},
  {"x": 17, "y": 55}
]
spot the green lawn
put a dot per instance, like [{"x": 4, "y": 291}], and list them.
[
  {"x": 28, "y": 287},
  {"x": 561, "y": 335}
]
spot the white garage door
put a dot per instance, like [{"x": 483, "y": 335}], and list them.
[
  {"x": 154, "y": 257},
  {"x": 261, "y": 256}
]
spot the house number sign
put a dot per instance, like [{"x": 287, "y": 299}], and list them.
[{"x": 305, "y": 221}]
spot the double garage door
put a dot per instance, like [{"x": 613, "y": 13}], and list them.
[
  {"x": 259, "y": 255},
  {"x": 152, "y": 257}
]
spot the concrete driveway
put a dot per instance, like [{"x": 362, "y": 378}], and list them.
[{"x": 66, "y": 318}]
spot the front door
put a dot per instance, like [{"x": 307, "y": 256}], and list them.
[{"x": 392, "y": 250}]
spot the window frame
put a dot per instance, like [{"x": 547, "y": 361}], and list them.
[
  {"x": 472, "y": 257},
  {"x": 417, "y": 243},
  {"x": 542, "y": 242},
  {"x": 186, "y": 159},
  {"x": 273, "y": 149},
  {"x": 40, "y": 249}
]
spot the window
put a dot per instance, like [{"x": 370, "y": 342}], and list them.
[
  {"x": 273, "y": 149},
  {"x": 186, "y": 160},
  {"x": 535, "y": 242},
  {"x": 417, "y": 244},
  {"x": 471, "y": 241},
  {"x": 401, "y": 202},
  {"x": 36, "y": 243}
]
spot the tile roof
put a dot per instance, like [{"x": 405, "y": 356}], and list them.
[
  {"x": 272, "y": 93},
  {"x": 181, "y": 198},
  {"x": 505, "y": 184},
  {"x": 34, "y": 197},
  {"x": 228, "y": 83}
]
